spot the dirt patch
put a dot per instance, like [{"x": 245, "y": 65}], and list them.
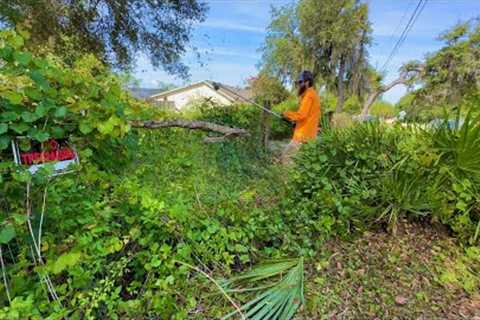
[{"x": 381, "y": 276}]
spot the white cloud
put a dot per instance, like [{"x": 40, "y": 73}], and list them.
[
  {"x": 238, "y": 26},
  {"x": 231, "y": 52}
]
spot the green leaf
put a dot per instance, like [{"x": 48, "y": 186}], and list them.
[
  {"x": 9, "y": 116},
  {"x": 40, "y": 62},
  {"x": 281, "y": 300},
  {"x": 64, "y": 261},
  {"x": 105, "y": 128},
  {"x": 17, "y": 41},
  {"x": 6, "y": 53},
  {"x": 51, "y": 92},
  {"x": 24, "y": 144},
  {"x": 3, "y": 128},
  {"x": 85, "y": 127},
  {"x": 43, "y": 108},
  {"x": 57, "y": 132},
  {"x": 4, "y": 142},
  {"x": 19, "y": 218},
  {"x": 29, "y": 116},
  {"x": 19, "y": 127},
  {"x": 7, "y": 233},
  {"x": 61, "y": 112},
  {"x": 39, "y": 79},
  {"x": 33, "y": 94},
  {"x": 23, "y": 58},
  {"x": 14, "y": 97},
  {"x": 38, "y": 135}
]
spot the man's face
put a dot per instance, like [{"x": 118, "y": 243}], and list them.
[{"x": 302, "y": 86}]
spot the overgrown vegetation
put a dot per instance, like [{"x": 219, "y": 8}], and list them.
[
  {"x": 371, "y": 173},
  {"x": 127, "y": 233}
]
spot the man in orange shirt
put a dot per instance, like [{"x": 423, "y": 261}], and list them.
[{"x": 306, "y": 118}]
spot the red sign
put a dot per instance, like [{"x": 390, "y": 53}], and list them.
[{"x": 56, "y": 153}]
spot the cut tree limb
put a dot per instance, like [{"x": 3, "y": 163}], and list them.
[{"x": 227, "y": 132}]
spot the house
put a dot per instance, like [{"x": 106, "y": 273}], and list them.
[
  {"x": 181, "y": 98},
  {"x": 144, "y": 93}
]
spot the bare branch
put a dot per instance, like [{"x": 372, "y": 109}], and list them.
[
  {"x": 227, "y": 132},
  {"x": 408, "y": 74}
]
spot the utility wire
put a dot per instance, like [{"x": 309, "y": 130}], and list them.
[
  {"x": 400, "y": 23},
  {"x": 402, "y": 36},
  {"x": 416, "y": 18},
  {"x": 413, "y": 18}
]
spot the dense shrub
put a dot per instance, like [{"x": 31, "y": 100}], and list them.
[
  {"x": 352, "y": 105},
  {"x": 355, "y": 177},
  {"x": 110, "y": 231},
  {"x": 382, "y": 109},
  {"x": 110, "y": 239}
]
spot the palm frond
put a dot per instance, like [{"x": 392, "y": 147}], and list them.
[
  {"x": 459, "y": 144},
  {"x": 280, "y": 301}
]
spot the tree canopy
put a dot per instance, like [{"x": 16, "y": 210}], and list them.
[
  {"x": 114, "y": 30},
  {"x": 451, "y": 75},
  {"x": 329, "y": 37},
  {"x": 268, "y": 88}
]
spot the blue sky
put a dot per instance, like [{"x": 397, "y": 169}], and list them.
[{"x": 229, "y": 39}]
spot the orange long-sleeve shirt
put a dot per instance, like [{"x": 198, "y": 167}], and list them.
[{"x": 307, "y": 117}]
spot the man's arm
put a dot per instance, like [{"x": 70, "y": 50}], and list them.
[{"x": 303, "y": 112}]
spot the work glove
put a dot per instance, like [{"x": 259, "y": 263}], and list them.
[{"x": 287, "y": 121}]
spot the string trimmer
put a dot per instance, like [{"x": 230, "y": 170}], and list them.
[{"x": 217, "y": 87}]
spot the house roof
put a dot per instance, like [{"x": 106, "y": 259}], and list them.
[
  {"x": 144, "y": 93},
  {"x": 233, "y": 94}
]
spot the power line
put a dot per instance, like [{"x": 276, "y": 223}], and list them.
[
  {"x": 402, "y": 36},
  {"x": 397, "y": 28},
  {"x": 416, "y": 18},
  {"x": 413, "y": 18}
]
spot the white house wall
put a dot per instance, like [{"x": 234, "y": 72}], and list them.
[{"x": 184, "y": 98}]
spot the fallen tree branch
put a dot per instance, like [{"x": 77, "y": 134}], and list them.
[{"x": 227, "y": 132}]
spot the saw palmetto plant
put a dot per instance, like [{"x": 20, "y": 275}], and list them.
[
  {"x": 458, "y": 143},
  {"x": 280, "y": 293}
]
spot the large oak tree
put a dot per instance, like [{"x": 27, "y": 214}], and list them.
[
  {"x": 329, "y": 37},
  {"x": 115, "y": 30}
]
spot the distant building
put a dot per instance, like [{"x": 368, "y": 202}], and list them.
[
  {"x": 144, "y": 93},
  {"x": 180, "y": 98}
]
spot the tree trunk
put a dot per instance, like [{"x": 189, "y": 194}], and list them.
[
  {"x": 341, "y": 86},
  {"x": 382, "y": 89},
  {"x": 408, "y": 74},
  {"x": 370, "y": 100}
]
